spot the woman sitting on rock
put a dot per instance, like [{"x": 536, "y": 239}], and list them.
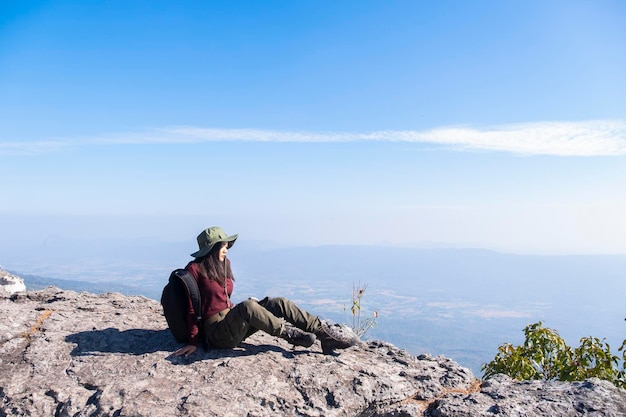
[{"x": 225, "y": 325}]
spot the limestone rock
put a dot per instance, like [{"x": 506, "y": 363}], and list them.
[
  {"x": 501, "y": 396},
  {"x": 10, "y": 283},
  {"x": 64, "y": 353}
]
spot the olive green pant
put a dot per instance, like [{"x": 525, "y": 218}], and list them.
[{"x": 250, "y": 315}]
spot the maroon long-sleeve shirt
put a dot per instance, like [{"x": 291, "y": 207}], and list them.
[{"x": 213, "y": 300}]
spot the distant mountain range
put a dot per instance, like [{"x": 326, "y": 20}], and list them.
[{"x": 35, "y": 282}]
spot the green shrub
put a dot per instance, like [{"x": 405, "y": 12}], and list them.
[{"x": 545, "y": 355}]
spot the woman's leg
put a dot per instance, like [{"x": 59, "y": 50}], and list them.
[
  {"x": 250, "y": 315},
  {"x": 258, "y": 317},
  {"x": 241, "y": 321},
  {"x": 287, "y": 309},
  {"x": 330, "y": 338}
]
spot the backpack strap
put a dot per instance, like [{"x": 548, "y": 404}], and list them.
[{"x": 192, "y": 290}]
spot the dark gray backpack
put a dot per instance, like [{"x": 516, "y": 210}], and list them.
[{"x": 175, "y": 301}]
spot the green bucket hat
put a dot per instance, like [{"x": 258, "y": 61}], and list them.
[{"x": 209, "y": 237}]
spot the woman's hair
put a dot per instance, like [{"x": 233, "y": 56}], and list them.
[{"x": 211, "y": 267}]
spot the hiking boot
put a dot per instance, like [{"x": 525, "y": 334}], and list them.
[
  {"x": 335, "y": 336},
  {"x": 296, "y": 336}
]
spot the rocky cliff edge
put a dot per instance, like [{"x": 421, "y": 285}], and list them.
[{"x": 64, "y": 353}]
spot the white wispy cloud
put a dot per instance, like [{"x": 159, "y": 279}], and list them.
[
  {"x": 589, "y": 138},
  {"x": 36, "y": 147}
]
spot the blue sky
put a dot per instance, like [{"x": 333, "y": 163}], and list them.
[{"x": 492, "y": 124}]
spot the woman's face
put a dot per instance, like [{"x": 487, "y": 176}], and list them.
[{"x": 221, "y": 254}]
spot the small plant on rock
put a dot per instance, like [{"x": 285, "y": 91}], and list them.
[{"x": 358, "y": 325}]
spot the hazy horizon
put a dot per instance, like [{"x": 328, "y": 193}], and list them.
[{"x": 459, "y": 302}]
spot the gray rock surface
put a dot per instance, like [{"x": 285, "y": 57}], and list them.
[
  {"x": 501, "y": 396},
  {"x": 10, "y": 283},
  {"x": 64, "y": 353}
]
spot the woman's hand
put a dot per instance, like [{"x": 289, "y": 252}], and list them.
[{"x": 186, "y": 350}]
